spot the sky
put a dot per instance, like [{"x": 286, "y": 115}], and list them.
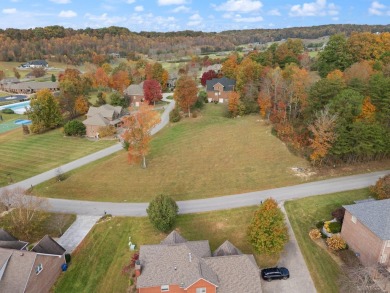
[{"x": 198, "y": 15}]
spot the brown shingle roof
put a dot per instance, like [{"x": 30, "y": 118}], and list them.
[
  {"x": 48, "y": 245},
  {"x": 9, "y": 241}
]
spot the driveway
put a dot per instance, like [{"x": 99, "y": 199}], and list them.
[{"x": 300, "y": 280}]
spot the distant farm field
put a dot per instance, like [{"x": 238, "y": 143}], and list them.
[
  {"x": 25, "y": 156},
  {"x": 203, "y": 157}
]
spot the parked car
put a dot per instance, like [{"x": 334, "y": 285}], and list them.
[{"x": 275, "y": 273}]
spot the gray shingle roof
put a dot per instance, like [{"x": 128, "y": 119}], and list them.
[
  {"x": 10, "y": 242},
  {"x": 228, "y": 84},
  {"x": 226, "y": 248},
  {"x": 135, "y": 89},
  {"x": 96, "y": 119},
  {"x": 48, "y": 245},
  {"x": 177, "y": 261},
  {"x": 237, "y": 273},
  {"x": 173, "y": 238},
  {"x": 6, "y": 236},
  {"x": 375, "y": 215}
]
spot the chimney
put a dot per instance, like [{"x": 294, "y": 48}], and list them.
[
  {"x": 190, "y": 256},
  {"x": 137, "y": 268}
]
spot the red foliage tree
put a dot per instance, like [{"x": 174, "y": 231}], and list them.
[
  {"x": 208, "y": 76},
  {"x": 152, "y": 91}
]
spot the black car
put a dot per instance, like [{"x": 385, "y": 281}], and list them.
[{"x": 275, "y": 274}]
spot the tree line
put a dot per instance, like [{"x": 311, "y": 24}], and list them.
[{"x": 72, "y": 46}]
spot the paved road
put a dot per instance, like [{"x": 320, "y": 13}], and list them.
[
  {"x": 223, "y": 202},
  {"x": 32, "y": 181},
  {"x": 300, "y": 280}
]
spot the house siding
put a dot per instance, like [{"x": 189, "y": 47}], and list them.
[
  {"x": 361, "y": 240},
  {"x": 210, "y": 288},
  {"x": 43, "y": 282},
  {"x": 218, "y": 93}
]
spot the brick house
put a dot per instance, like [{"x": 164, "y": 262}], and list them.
[
  {"x": 32, "y": 271},
  {"x": 102, "y": 116},
  {"x": 180, "y": 266},
  {"x": 136, "y": 94},
  {"x": 218, "y": 89},
  {"x": 29, "y": 87},
  {"x": 366, "y": 229}
]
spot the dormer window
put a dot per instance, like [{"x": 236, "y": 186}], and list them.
[{"x": 38, "y": 268}]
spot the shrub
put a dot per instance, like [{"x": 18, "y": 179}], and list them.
[
  {"x": 67, "y": 258},
  {"x": 74, "y": 128},
  {"x": 8, "y": 111},
  {"x": 162, "y": 212},
  {"x": 338, "y": 214},
  {"x": 194, "y": 114},
  {"x": 336, "y": 243},
  {"x": 315, "y": 234},
  {"x": 381, "y": 189},
  {"x": 169, "y": 97},
  {"x": 105, "y": 131},
  {"x": 174, "y": 116},
  {"x": 203, "y": 96},
  {"x": 320, "y": 224},
  {"x": 334, "y": 227}
]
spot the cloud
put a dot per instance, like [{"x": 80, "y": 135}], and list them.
[
  {"x": 104, "y": 19},
  {"x": 182, "y": 9},
  {"x": 67, "y": 14},
  {"x": 239, "y": 6},
  {"x": 171, "y": 2},
  {"x": 378, "y": 9},
  {"x": 130, "y": 1},
  {"x": 238, "y": 18},
  {"x": 318, "y": 8},
  {"x": 274, "y": 12},
  {"x": 195, "y": 20},
  {"x": 9, "y": 10},
  {"x": 139, "y": 8},
  {"x": 61, "y": 1}
]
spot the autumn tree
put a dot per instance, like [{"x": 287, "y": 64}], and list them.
[
  {"x": 265, "y": 104},
  {"x": 44, "y": 112},
  {"x": 234, "y": 103},
  {"x": 101, "y": 79},
  {"x": 38, "y": 72},
  {"x": 185, "y": 93},
  {"x": 120, "y": 80},
  {"x": 208, "y": 75},
  {"x": 2, "y": 75},
  {"x": 152, "y": 91},
  {"x": 162, "y": 212},
  {"x": 137, "y": 134},
  {"x": 16, "y": 73},
  {"x": 267, "y": 231},
  {"x": 229, "y": 67},
  {"x": 382, "y": 187},
  {"x": 81, "y": 105},
  {"x": 24, "y": 210},
  {"x": 368, "y": 110},
  {"x": 72, "y": 85}
]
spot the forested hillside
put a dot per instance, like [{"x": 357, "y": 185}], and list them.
[{"x": 72, "y": 46}]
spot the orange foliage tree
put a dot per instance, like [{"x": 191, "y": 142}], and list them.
[
  {"x": 265, "y": 104},
  {"x": 101, "y": 78},
  {"x": 81, "y": 105},
  {"x": 137, "y": 135},
  {"x": 368, "y": 110},
  {"x": 120, "y": 80},
  {"x": 323, "y": 131},
  {"x": 234, "y": 103},
  {"x": 186, "y": 93}
]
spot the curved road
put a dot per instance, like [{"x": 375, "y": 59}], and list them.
[{"x": 223, "y": 202}]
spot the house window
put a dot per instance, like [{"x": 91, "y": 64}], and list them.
[
  {"x": 164, "y": 288},
  {"x": 353, "y": 219},
  {"x": 216, "y": 93},
  {"x": 200, "y": 290},
  {"x": 38, "y": 268}
]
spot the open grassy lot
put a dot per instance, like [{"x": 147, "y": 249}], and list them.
[
  {"x": 197, "y": 158},
  {"x": 44, "y": 223},
  {"x": 303, "y": 215},
  {"x": 97, "y": 263},
  {"x": 25, "y": 156}
]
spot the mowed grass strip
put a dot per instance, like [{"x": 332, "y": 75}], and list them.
[
  {"x": 25, "y": 156},
  {"x": 97, "y": 263},
  {"x": 303, "y": 215},
  {"x": 204, "y": 157}
]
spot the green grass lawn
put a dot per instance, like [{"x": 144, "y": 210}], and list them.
[
  {"x": 303, "y": 215},
  {"x": 25, "y": 156},
  {"x": 196, "y": 158},
  {"x": 97, "y": 263},
  {"x": 44, "y": 223}
]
